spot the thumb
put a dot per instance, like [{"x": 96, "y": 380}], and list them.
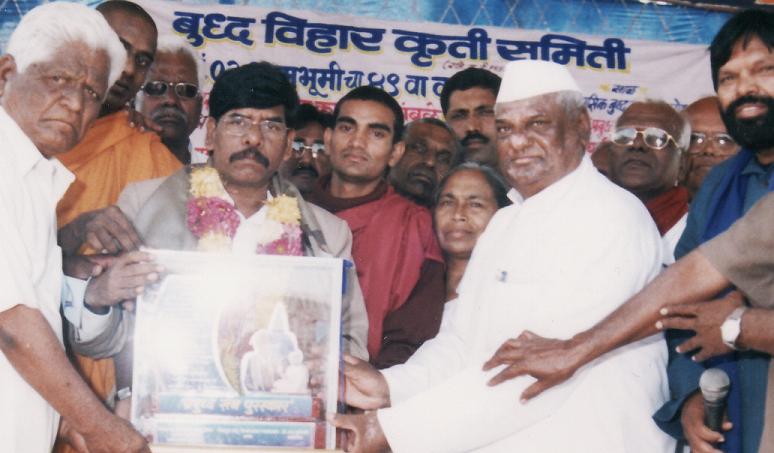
[
  {"x": 534, "y": 390},
  {"x": 97, "y": 270}
]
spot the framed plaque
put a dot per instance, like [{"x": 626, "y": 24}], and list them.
[{"x": 238, "y": 351}]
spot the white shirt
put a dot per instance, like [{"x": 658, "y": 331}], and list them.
[
  {"x": 555, "y": 263},
  {"x": 670, "y": 239},
  {"x": 30, "y": 274}
]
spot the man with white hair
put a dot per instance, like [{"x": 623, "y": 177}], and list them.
[
  {"x": 171, "y": 98},
  {"x": 567, "y": 252},
  {"x": 61, "y": 59}
]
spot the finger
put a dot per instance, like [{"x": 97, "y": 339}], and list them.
[
  {"x": 691, "y": 344},
  {"x": 506, "y": 353},
  {"x": 147, "y": 271},
  {"x": 136, "y": 256},
  {"x": 680, "y": 310},
  {"x": 676, "y": 323},
  {"x": 351, "y": 360},
  {"x": 129, "y": 239},
  {"x": 97, "y": 270},
  {"x": 528, "y": 335},
  {"x": 506, "y": 374},
  {"x": 343, "y": 421},
  {"x": 703, "y": 354},
  {"x": 105, "y": 238},
  {"x": 534, "y": 390},
  {"x": 101, "y": 242}
]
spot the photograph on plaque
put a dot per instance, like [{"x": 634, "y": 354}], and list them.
[{"x": 238, "y": 351}]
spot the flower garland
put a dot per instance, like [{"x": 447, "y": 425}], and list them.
[
  {"x": 214, "y": 221},
  {"x": 211, "y": 217}
]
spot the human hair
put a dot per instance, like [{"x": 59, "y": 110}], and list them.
[
  {"x": 369, "y": 93},
  {"x": 254, "y": 85},
  {"x": 307, "y": 114},
  {"x": 744, "y": 26},
  {"x": 457, "y": 151},
  {"x": 467, "y": 79},
  {"x": 172, "y": 44},
  {"x": 48, "y": 27},
  {"x": 127, "y": 7},
  {"x": 496, "y": 182},
  {"x": 684, "y": 141}
]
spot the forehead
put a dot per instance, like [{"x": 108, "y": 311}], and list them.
[
  {"x": 471, "y": 98},
  {"x": 367, "y": 112},
  {"x": 537, "y": 105},
  {"x": 429, "y": 131},
  {"x": 742, "y": 54},
  {"x": 467, "y": 183},
  {"x": 173, "y": 67},
  {"x": 312, "y": 131},
  {"x": 77, "y": 60},
  {"x": 132, "y": 29},
  {"x": 276, "y": 112},
  {"x": 646, "y": 115},
  {"x": 705, "y": 115}
]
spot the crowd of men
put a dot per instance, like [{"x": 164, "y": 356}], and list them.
[{"x": 494, "y": 259}]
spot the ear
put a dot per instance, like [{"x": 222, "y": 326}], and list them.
[
  {"x": 583, "y": 127},
  {"x": 289, "y": 144},
  {"x": 397, "y": 152},
  {"x": 209, "y": 140},
  {"x": 7, "y": 72},
  {"x": 327, "y": 139}
]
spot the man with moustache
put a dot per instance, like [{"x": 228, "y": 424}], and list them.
[
  {"x": 400, "y": 266},
  {"x": 430, "y": 150},
  {"x": 170, "y": 99},
  {"x": 569, "y": 250},
  {"x": 248, "y": 138},
  {"x": 60, "y": 61},
  {"x": 710, "y": 142},
  {"x": 309, "y": 161},
  {"x": 646, "y": 156},
  {"x": 467, "y": 101},
  {"x": 743, "y": 75}
]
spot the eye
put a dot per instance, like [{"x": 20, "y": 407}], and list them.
[
  {"x": 725, "y": 78},
  {"x": 418, "y": 148},
  {"x": 273, "y": 126},
  {"x": 143, "y": 61},
  {"x": 504, "y": 131},
  {"x": 379, "y": 133},
  {"x": 486, "y": 112},
  {"x": 476, "y": 204},
  {"x": 444, "y": 158},
  {"x": 458, "y": 115},
  {"x": 445, "y": 202},
  {"x": 344, "y": 127}
]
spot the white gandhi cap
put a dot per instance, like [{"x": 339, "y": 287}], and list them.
[{"x": 524, "y": 79}]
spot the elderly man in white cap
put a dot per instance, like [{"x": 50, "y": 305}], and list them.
[{"x": 571, "y": 248}]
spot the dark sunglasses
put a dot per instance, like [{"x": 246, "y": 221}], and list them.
[
  {"x": 159, "y": 88},
  {"x": 653, "y": 137}
]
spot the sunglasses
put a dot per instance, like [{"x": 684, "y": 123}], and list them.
[
  {"x": 653, "y": 137},
  {"x": 317, "y": 149},
  {"x": 182, "y": 89}
]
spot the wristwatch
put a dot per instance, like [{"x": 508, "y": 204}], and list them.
[{"x": 732, "y": 327}]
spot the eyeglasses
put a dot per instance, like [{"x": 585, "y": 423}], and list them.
[
  {"x": 653, "y": 137},
  {"x": 240, "y": 126},
  {"x": 316, "y": 149},
  {"x": 723, "y": 142},
  {"x": 159, "y": 88}
]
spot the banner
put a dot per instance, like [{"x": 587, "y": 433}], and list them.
[{"x": 328, "y": 55}]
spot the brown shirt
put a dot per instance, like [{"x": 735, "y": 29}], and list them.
[{"x": 744, "y": 254}]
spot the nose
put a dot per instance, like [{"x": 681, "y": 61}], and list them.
[
  {"x": 430, "y": 159},
  {"x": 253, "y": 136},
  {"x": 73, "y": 98},
  {"x": 473, "y": 123},
  {"x": 170, "y": 96},
  {"x": 516, "y": 142},
  {"x": 358, "y": 139},
  {"x": 130, "y": 67},
  {"x": 306, "y": 157},
  {"x": 748, "y": 84},
  {"x": 460, "y": 213}
]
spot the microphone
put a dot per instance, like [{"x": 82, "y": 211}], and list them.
[{"x": 714, "y": 385}]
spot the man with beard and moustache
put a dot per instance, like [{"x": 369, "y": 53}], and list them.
[
  {"x": 247, "y": 138},
  {"x": 710, "y": 142},
  {"x": 646, "y": 157},
  {"x": 400, "y": 265},
  {"x": 467, "y": 101},
  {"x": 170, "y": 99},
  {"x": 309, "y": 161},
  {"x": 430, "y": 150},
  {"x": 743, "y": 75}
]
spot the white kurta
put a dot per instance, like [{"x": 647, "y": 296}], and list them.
[
  {"x": 554, "y": 264},
  {"x": 30, "y": 274}
]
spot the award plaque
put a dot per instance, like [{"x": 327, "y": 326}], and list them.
[{"x": 238, "y": 351}]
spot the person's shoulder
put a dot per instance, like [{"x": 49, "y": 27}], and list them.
[
  {"x": 325, "y": 218},
  {"x": 136, "y": 194}
]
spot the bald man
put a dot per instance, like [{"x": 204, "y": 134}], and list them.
[{"x": 710, "y": 142}]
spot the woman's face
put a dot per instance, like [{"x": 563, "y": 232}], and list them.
[{"x": 464, "y": 208}]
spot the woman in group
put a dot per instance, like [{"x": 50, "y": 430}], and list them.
[{"x": 467, "y": 198}]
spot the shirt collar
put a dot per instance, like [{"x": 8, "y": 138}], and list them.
[
  {"x": 556, "y": 187},
  {"x": 28, "y": 158}
]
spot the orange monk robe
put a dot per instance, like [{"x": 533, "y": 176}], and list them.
[{"x": 110, "y": 156}]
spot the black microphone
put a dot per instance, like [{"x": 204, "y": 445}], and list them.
[{"x": 714, "y": 385}]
